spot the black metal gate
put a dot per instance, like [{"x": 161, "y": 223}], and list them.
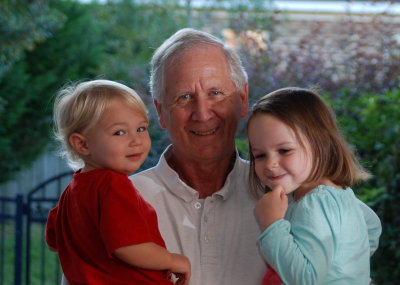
[{"x": 24, "y": 257}]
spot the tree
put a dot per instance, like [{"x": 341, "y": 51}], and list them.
[
  {"x": 72, "y": 53},
  {"x": 23, "y": 24}
]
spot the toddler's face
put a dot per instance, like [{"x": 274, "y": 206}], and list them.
[{"x": 119, "y": 141}]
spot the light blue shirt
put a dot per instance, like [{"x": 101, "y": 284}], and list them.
[{"x": 327, "y": 237}]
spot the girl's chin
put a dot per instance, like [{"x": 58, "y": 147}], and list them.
[{"x": 288, "y": 190}]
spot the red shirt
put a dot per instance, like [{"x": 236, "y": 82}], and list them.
[{"x": 99, "y": 212}]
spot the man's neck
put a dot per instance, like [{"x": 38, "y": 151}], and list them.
[{"x": 206, "y": 177}]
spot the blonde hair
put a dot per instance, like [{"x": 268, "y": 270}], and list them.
[
  {"x": 306, "y": 113},
  {"x": 79, "y": 106}
]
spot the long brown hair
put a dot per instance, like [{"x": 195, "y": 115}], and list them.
[{"x": 306, "y": 113}]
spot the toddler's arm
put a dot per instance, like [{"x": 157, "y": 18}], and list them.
[{"x": 152, "y": 256}]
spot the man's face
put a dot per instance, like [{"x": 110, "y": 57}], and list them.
[{"x": 201, "y": 107}]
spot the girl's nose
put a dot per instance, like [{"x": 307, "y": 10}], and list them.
[{"x": 271, "y": 162}]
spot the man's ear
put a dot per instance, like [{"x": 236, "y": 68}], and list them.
[
  {"x": 160, "y": 113},
  {"x": 79, "y": 143},
  {"x": 244, "y": 97}
]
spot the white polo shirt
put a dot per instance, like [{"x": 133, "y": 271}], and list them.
[{"x": 218, "y": 234}]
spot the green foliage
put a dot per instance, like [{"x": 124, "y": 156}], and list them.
[
  {"x": 72, "y": 53},
  {"x": 131, "y": 32},
  {"x": 23, "y": 24},
  {"x": 371, "y": 122}
]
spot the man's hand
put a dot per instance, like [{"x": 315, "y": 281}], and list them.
[{"x": 271, "y": 207}]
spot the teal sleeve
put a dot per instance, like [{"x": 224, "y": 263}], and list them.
[
  {"x": 374, "y": 226},
  {"x": 301, "y": 250}
]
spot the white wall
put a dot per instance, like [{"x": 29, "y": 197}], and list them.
[{"x": 44, "y": 168}]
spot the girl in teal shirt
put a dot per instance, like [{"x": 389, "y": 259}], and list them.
[{"x": 315, "y": 230}]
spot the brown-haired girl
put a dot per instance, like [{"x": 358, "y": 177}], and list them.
[{"x": 324, "y": 234}]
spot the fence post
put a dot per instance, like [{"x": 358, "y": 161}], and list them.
[{"x": 18, "y": 239}]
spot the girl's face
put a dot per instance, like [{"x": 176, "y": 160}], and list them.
[
  {"x": 279, "y": 157},
  {"x": 119, "y": 141}
]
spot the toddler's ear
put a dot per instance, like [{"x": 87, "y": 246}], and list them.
[{"x": 78, "y": 142}]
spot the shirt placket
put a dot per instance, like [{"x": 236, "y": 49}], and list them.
[{"x": 208, "y": 241}]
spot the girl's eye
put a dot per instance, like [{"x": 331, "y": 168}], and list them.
[
  {"x": 259, "y": 156},
  {"x": 119, "y": 133},
  {"x": 284, "y": 151},
  {"x": 141, "y": 129}
]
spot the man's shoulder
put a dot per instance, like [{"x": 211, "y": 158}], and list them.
[{"x": 147, "y": 173}]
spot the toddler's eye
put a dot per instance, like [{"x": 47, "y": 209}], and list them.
[
  {"x": 119, "y": 133},
  {"x": 141, "y": 129}
]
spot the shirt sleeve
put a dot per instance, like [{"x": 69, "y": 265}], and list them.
[
  {"x": 125, "y": 216},
  {"x": 50, "y": 233},
  {"x": 301, "y": 251},
  {"x": 374, "y": 226}
]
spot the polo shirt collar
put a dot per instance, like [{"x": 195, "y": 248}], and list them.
[{"x": 180, "y": 189}]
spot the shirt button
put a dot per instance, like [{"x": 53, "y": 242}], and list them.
[
  {"x": 205, "y": 219},
  {"x": 206, "y": 238},
  {"x": 197, "y": 205}
]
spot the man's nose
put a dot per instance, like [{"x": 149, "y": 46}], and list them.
[{"x": 202, "y": 109}]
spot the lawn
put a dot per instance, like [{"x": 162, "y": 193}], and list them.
[{"x": 44, "y": 267}]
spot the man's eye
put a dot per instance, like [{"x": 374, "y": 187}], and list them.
[
  {"x": 119, "y": 133},
  {"x": 141, "y": 129},
  {"x": 184, "y": 97},
  {"x": 214, "y": 92}
]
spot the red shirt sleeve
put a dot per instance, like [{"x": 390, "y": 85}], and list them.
[
  {"x": 126, "y": 218},
  {"x": 50, "y": 233}
]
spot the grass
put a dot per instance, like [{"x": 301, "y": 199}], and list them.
[{"x": 44, "y": 265}]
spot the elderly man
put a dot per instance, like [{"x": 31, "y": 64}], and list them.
[{"x": 199, "y": 187}]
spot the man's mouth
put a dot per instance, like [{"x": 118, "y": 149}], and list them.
[{"x": 204, "y": 133}]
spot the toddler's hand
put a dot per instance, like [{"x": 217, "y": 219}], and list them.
[
  {"x": 181, "y": 268},
  {"x": 271, "y": 207}
]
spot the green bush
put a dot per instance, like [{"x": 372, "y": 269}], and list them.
[{"x": 371, "y": 122}]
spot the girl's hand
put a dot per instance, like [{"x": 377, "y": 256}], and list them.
[{"x": 271, "y": 207}]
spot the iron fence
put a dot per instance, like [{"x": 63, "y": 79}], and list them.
[{"x": 24, "y": 257}]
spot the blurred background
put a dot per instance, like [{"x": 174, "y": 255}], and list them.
[{"x": 349, "y": 50}]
